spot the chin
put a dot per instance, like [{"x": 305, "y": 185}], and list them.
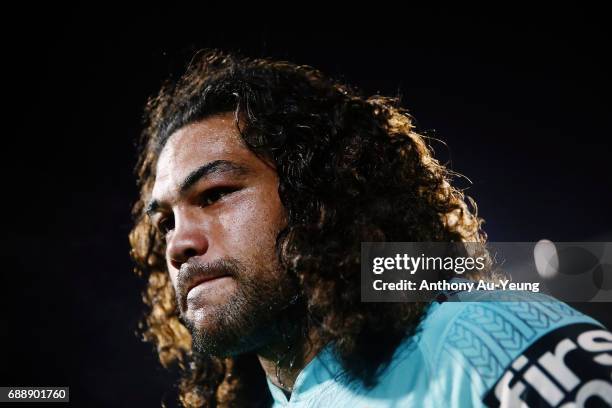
[
  {"x": 214, "y": 334},
  {"x": 226, "y": 344}
]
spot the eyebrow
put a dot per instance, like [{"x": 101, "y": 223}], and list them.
[{"x": 206, "y": 170}]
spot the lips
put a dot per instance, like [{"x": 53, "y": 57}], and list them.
[
  {"x": 202, "y": 279},
  {"x": 193, "y": 274}
]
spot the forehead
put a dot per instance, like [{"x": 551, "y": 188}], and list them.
[{"x": 213, "y": 138}]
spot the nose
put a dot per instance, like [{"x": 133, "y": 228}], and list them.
[{"x": 186, "y": 241}]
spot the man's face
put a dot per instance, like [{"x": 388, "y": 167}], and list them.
[{"x": 218, "y": 205}]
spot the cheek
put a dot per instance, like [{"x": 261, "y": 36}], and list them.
[
  {"x": 172, "y": 272},
  {"x": 252, "y": 226}
]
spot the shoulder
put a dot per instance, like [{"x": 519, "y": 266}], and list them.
[{"x": 477, "y": 341}]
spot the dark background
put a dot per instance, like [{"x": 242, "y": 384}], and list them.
[{"x": 521, "y": 96}]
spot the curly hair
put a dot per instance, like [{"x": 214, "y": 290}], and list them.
[{"x": 351, "y": 168}]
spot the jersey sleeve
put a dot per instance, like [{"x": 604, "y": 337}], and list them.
[{"x": 522, "y": 353}]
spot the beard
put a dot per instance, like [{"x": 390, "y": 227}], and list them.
[{"x": 264, "y": 308}]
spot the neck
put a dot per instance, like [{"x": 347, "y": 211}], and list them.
[{"x": 283, "y": 361}]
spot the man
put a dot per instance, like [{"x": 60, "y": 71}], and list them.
[{"x": 259, "y": 180}]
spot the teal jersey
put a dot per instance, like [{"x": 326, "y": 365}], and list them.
[{"x": 521, "y": 353}]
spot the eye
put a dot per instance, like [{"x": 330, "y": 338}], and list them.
[
  {"x": 211, "y": 196},
  {"x": 165, "y": 225}
]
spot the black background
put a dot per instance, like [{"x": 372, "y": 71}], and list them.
[{"x": 521, "y": 97}]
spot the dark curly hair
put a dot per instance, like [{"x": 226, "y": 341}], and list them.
[{"x": 351, "y": 169}]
